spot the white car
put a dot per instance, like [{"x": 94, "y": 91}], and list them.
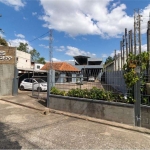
[
  {"x": 33, "y": 84},
  {"x": 91, "y": 79}
]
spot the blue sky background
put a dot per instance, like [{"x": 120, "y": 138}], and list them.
[{"x": 80, "y": 27}]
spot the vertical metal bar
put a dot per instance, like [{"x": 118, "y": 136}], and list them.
[
  {"x": 140, "y": 34},
  {"x": 118, "y": 61},
  {"x": 115, "y": 60},
  {"x": 129, "y": 39},
  {"x": 131, "y": 42},
  {"x": 15, "y": 82},
  {"x": 126, "y": 43},
  {"x": 121, "y": 53},
  {"x": 134, "y": 34},
  {"x": 48, "y": 88},
  {"x": 137, "y": 97}
]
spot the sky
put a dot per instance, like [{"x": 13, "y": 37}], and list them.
[{"x": 91, "y": 28}]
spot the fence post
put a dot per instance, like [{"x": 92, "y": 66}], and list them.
[
  {"x": 137, "y": 97},
  {"x": 48, "y": 88}
]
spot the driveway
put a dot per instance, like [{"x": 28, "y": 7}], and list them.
[{"x": 24, "y": 128}]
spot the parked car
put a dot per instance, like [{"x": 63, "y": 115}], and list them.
[
  {"x": 91, "y": 79},
  {"x": 35, "y": 84}
]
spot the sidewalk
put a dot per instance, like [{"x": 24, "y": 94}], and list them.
[{"x": 24, "y": 99}]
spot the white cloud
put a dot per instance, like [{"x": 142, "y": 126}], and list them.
[
  {"x": 14, "y": 3},
  {"x": 16, "y": 43},
  {"x": 144, "y": 47},
  {"x": 55, "y": 59},
  {"x": 2, "y": 35},
  {"x": 113, "y": 53},
  {"x": 73, "y": 51},
  {"x": 104, "y": 55},
  {"x": 45, "y": 38},
  {"x": 60, "y": 48},
  {"x": 45, "y": 46},
  {"x": 34, "y": 13},
  {"x": 145, "y": 18},
  {"x": 20, "y": 36},
  {"x": 82, "y": 17}
]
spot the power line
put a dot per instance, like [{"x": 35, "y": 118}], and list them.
[{"x": 39, "y": 36}]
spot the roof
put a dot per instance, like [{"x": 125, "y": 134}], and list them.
[
  {"x": 60, "y": 66},
  {"x": 81, "y": 56}
]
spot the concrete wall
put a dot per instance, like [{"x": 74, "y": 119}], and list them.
[
  {"x": 23, "y": 60},
  {"x": 6, "y": 79},
  {"x": 145, "y": 116},
  {"x": 118, "y": 112}
]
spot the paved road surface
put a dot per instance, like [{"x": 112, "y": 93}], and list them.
[{"x": 23, "y": 128}]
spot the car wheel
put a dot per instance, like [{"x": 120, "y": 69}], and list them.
[
  {"x": 39, "y": 89},
  {"x": 21, "y": 88}
]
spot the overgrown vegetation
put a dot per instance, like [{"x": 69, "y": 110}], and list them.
[
  {"x": 3, "y": 42},
  {"x": 140, "y": 60},
  {"x": 94, "y": 93},
  {"x": 131, "y": 76},
  {"x": 109, "y": 60}
]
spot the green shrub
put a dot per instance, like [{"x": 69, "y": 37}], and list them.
[{"x": 94, "y": 93}]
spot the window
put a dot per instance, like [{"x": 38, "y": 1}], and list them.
[
  {"x": 27, "y": 80},
  {"x": 17, "y": 58},
  {"x": 38, "y": 67},
  {"x": 26, "y": 60}
]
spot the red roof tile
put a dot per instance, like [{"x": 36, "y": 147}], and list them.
[{"x": 60, "y": 66}]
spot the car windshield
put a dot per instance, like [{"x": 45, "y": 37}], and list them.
[{"x": 39, "y": 80}]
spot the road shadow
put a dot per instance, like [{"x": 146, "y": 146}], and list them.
[{"x": 5, "y": 141}]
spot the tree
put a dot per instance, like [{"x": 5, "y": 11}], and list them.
[
  {"x": 41, "y": 60},
  {"x": 109, "y": 60},
  {"x": 34, "y": 55},
  {"x": 3, "y": 42},
  {"x": 23, "y": 47}
]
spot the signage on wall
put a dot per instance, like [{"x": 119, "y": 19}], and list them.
[
  {"x": 7, "y": 55},
  {"x": 3, "y": 56}
]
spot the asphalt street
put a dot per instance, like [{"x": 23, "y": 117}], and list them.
[{"x": 24, "y": 128}]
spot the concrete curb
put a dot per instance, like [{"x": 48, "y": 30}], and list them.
[{"x": 105, "y": 122}]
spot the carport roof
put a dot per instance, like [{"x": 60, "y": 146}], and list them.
[{"x": 60, "y": 66}]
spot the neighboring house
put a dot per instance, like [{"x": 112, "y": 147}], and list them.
[
  {"x": 23, "y": 60},
  {"x": 36, "y": 66},
  {"x": 64, "y": 72},
  {"x": 89, "y": 66},
  {"x": 116, "y": 64}
]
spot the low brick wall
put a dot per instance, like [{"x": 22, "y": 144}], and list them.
[{"x": 118, "y": 112}]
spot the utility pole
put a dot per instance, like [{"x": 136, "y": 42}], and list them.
[
  {"x": 134, "y": 34},
  {"x": 50, "y": 71},
  {"x": 126, "y": 43},
  {"x": 0, "y": 28},
  {"x": 137, "y": 32},
  {"x": 148, "y": 36},
  {"x": 123, "y": 50},
  {"x": 121, "y": 53},
  {"x": 129, "y": 39},
  {"x": 115, "y": 60}
]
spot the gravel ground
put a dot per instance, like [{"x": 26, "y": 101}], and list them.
[{"x": 23, "y": 128}]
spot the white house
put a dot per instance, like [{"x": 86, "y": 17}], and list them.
[{"x": 23, "y": 60}]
